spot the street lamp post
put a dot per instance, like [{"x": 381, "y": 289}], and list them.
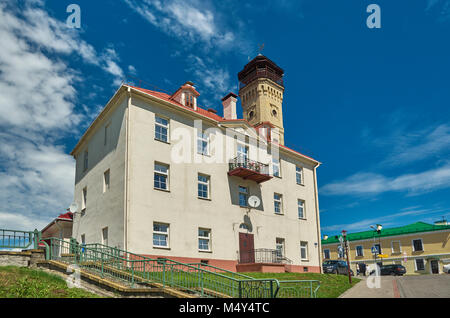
[
  {"x": 378, "y": 230},
  {"x": 344, "y": 235}
]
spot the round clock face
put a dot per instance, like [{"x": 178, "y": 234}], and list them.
[{"x": 254, "y": 201}]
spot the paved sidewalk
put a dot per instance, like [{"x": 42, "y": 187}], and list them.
[{"x": 387, "y": 288}]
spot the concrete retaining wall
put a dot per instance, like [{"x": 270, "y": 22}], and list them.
[{"x": 26, "y": 258}]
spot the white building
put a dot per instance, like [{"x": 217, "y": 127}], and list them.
[{"x": 140, "y": 190}]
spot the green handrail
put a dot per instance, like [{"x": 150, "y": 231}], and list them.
[
  {"x": 197, "y": 278},
  {"x": 19, "y": 239}
]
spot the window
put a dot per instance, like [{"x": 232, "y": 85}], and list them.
[
  {"x": 299, "y": 174},
  {"x": 83, "y": 199},
  {"x": 242, "y": 152},
  {"x": 160, "y": 235},
  {"x": 396, "y": 249},
  {"x": 202, "y": 143},
  {"x": 106, "y": 181},
  {"x": 161, "y": 176},
  {"x": 105, "y": 141},
  {"x": 276, "y": 167},
  {"x": 420, "y": 264},
  {"x": 105, "y": 236},
  {"x": 204, "y": 261},
  {"x": 189, "y": 98},
  {"x": 86, "y": 161},
  {"x": 161, "y": 129},
  {"x": 359, "y": 250},
  {"x": 278, "y": 203},
  {"x": 304, "y": 251},
  {"x": 204, "y": 237},
  {"x": 301, "y": 209},
  {"x": 83, "y": 238},
  {"x": 417, "y": 245},
  {"x": 243, "y": 196},
  {"x": 279, "y": 247},
  {"x": 326, "y": 254},
  {"x": 203, "y": 186}
]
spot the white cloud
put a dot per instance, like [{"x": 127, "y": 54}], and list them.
[
  {"x": 371, "y": 183},
  {"x": 386, "y": 221},
  {"x": 37, "y": 109},
  {"x": 189, "y": 21}
]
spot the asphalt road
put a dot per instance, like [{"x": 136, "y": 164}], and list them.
[{"x": 424, "y": 286}]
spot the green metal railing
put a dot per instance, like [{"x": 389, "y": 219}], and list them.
[
  {"x": 19, "y": 239},
  {"x": 195, "y": 278},
  {"x": 138, "y": 270},
  {"x": 298, "y": 289}
]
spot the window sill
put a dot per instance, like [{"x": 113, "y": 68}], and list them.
[
  {"x": 205, "y": 251},
  {"x": 161, "y": 247},
  {"x": 205, "y": 199},
  {"x": 301, "y": 184},
  {"x": 163, "y": 141},
  {"x": 163, "y": 190},
  {"x": 303, "y": 219},
  {"x": 279, "y": 213}
]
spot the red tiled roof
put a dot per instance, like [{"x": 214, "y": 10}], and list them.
[
  {"x": 168, "y": 98},
  {"x": 204, "y": 112},
  {"x": 67, "y": 216}
]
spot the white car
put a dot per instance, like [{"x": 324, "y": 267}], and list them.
[{"x": 446, "y": 268}]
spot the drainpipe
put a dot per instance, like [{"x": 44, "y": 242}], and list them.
[
  {"x": 127, "y": 163},
  {"x": 319, "y": 243}
]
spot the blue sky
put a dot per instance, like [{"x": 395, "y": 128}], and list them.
[{"x": 370, "y": 104}]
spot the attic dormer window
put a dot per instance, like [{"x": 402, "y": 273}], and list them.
[{"x": 189, "y": 100}]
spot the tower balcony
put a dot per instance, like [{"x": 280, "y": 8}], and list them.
[
  {"x": 261, "y": 73},
  {"x": 249, "y": 169}
]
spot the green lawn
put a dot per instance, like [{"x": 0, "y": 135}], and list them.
[
  {"x": 331, "y": 285},
  {"x": 22, "y": 282}
]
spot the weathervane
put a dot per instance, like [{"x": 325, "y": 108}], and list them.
[{"x": 261, "y": 47}]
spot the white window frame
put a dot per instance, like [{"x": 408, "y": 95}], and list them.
[
  {"x": 242, "y": 156},
  {"x": 305, "y": 247},
  {"x": 85, "y": 160},
  {"x": 202, "y": 137},
  {"x": 399, "y": 246},
  {"x": 106, "y": 185},
  {"x": 207, "y": 238},
  {"x": 299, "y": 173},
  {"x": 325, "y": 251},
  {"x": 280, "y": 242},
  {"x": 105, "y": 240},
  {"x": 83, "y": 199},
  {"x": 280, "y": 201},
  {"x": 207, "y": 184},
  {"x": 276, "y": 163},
  {"x": 167, "y": 127},
  {"x": 246, "y": 193},
  {"x": 167, "y": 234},
  {"x": 303, "y": 209},
  {"x": 415, "y": 264},
  {"x": 356, "y": 250},
  {"x": 166, "y": 174},
  {"x": 107, "y": 126},
  {"x": 421, "y": 243}
]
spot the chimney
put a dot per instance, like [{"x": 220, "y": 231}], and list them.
[{"x": 229, "y": 106}]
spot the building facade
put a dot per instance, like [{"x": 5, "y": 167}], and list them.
[
  {"x": 160, "y": 176},
  {"x": 421, "y": 247}
]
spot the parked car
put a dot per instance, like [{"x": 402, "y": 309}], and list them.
[
  {"x": 336, "y": 267},
  {"x": 446, "y": 268},
  {"x": 391, "y": 269}
]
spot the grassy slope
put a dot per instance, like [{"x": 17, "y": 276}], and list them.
[
  {"x": 20, "y": 282},
  {"x": 331, "y": 286}
]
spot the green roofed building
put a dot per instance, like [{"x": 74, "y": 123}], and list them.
[{"x": 421, "y": 247}]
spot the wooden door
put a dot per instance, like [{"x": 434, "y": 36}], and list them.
[{"x": 246, "y": 248}]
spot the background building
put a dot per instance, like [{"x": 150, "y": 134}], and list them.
[
  {"x": 133, "y": 194},
  {"x": 421, "y": 247}
]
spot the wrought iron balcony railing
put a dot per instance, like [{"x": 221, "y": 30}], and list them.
[
  {"x": 263, "y": 255},
  {"x": 243, "y": 162}
]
